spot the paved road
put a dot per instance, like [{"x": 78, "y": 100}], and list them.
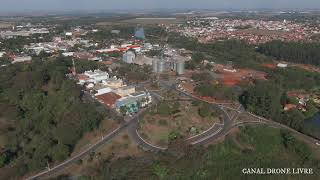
[
  {"x": 90, "y": 149},
  {"x": 228, "y": 125},
  {"x": 136, "y": 137},
  {"x": 131, "y": 124},
  {"x": 214, "y": 132}
]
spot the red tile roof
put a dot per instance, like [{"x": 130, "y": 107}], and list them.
[
  {"x": 289, "y": 107},
  {"x": 108, "y": 99}
]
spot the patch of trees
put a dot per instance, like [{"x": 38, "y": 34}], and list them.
[
  {"x": 294, "y": 78},
  {"x": 296, "y": 52},
  {"x": 267, "y": 99},
  {"x": 14, "y": 44},
  {"x": 263, "y": 99},
  {"x": 216, "y": 91},
  {"x": 85, "y": 65},
  {"x": 291, "y": 143},
  {"x": 202, "y": 77},
  {"x": 50, "y": 115},
  {"x": 4, "y": 60},
  {"x": 133, "y": 72},
  {"x": 156, "y": 34},
  {"x": 168, "y": 109},
  {"x": 205, "y": 110}
]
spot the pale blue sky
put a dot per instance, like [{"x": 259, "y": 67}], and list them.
[{"x": 23, "y": 5}]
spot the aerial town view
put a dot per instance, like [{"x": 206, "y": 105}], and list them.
[{"x": 214, "y": 90}]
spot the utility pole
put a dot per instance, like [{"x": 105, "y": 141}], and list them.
[
  {"x": 74, "y": 72},
  {"x": 48, "y": 166}
]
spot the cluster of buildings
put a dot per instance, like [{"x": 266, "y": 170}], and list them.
[
  {"x": 112, "y": 92},
  {"x": 16, "y": 58},
  {"x": 176, "y": 63},
  {"x": 23, "y": 33},
  {"x": 252, "y": 31},
  {"x": 170, "y": 60},
  {"x": 300, "y": 101},
  {"x": 58, "y": 44},
  {"x": 139, "y": 48}
]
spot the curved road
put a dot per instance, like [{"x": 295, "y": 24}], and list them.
[
  {"x": 212, "y": 134},
  {"x": 217, "y": 130},
  {"x": 228, "y": 122}
]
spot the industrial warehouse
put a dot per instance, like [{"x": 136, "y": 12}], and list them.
[{"x": 113, "y": 92}]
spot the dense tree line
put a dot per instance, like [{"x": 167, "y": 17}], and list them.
[
  {"x": 238, "y": 52},
  {"x": 268, "y": 99},
  {"x": 47, "y": 111},
  {"x": 296, "y": 52}
]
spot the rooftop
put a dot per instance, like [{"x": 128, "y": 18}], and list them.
[{"x": 108, "y": 99}]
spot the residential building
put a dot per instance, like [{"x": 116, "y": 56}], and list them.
[{"x": 21, "y": 59}]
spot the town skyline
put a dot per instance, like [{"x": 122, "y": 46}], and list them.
[{"x": 59, "y": 5}]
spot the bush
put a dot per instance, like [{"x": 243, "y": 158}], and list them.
[
  {"x": 164, "y": 109},
  {"x": 204, "y": 111},
  {"x": 162, "y": 122}
]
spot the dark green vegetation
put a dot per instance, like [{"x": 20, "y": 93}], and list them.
[
  {"x": 297, "y": 52},
  {"x": 17, "y": 43},
  {"x": 268, "y": 100},
  {"x": 105, "y": 35},
  {"x": 4, "y": 60},
  {"x": 133, "y": 72},
  {"x": 226, "y": 160},
  {"x": 166, "y": 109},
  {"x": 216, "y": 91},
  {"x": 48, "y": 114},
  {"x": 205, "y": 110},
  {"x": 262, "y": 98},
  {"x": 207, "y": 87},
  {"x": 84, "y": 65},
  {"x": 238, "y": 52}
]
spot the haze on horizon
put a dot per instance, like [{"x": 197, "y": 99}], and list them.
[{"x": 61, "y": 5}]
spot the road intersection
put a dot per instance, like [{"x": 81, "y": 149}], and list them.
[{"x": 216, "y": 131}]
